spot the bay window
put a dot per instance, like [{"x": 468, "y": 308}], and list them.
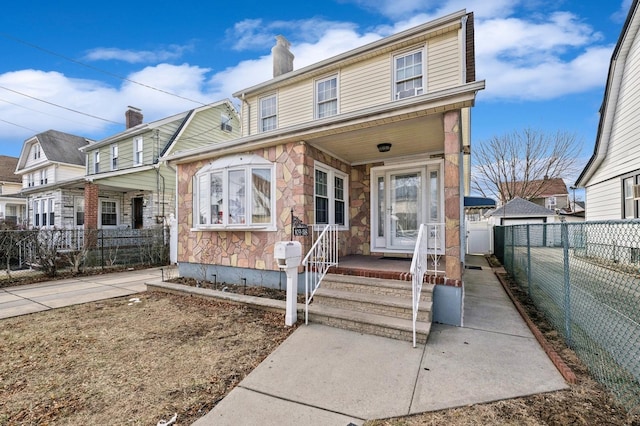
[{"x": 235, "y": 192}]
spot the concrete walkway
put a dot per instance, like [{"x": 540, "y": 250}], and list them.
[
  {"x": 327, "y": 376},
  {"x": 26, "y": 299}
]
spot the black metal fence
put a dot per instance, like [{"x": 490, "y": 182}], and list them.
[
  {"x": 585, "y": 278},
  {"x": 49, "y": 251}
]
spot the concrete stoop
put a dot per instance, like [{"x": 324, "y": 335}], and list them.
[{"x": 375, "y": 306}]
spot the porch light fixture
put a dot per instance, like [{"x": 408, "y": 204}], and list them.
[{"x": 384, "y": 147}]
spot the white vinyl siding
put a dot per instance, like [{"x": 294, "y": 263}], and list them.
[
  {"x": 35, "y": 155},
  {"x": 199, "y": 130},
  {"x": 603, "y": 201},
  {"x": 365, "y": 85},
  {"x": 444, "y": 63},
  {"x": 295, "y": 104}
]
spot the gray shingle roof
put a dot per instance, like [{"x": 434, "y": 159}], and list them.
[
  {"x": 62, "y": 147},
  {"x": 521, "y": 207}
]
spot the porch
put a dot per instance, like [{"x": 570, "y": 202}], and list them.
[{"x": 388, "y": 267}]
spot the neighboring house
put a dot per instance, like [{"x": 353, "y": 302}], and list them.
[
  {"x": 611, "y": 178},
  {"x": 550, "y": 193},
  {"x": 372, "y": 140},
  {"x": 126, "y": 183},
  {"x": 520, "y": 211},
  {"x": 12, "y": 203},
  {"x": 51, "y": 168}
]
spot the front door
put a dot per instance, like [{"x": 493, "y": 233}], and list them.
[
  {"x": 137, "y": 207},
  {"x": 404, "y": 197}
]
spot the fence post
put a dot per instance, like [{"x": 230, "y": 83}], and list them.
[
  {"x": 564, "y": 234},
  {"x": 513, "y": 246},
  {"x": 528, "y": 260}
]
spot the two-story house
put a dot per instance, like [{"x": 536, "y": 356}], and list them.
[
  {"x": 12, "y": 203},
  {"x": 52, "y": 168},
  {"x": 373, "y": 140},
  {"x": 126, "y": 183},
  {"x": 611, "y": 178},
  {"x": 550, "y": 193}
]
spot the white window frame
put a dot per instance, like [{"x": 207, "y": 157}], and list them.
[
  {"x": 37, "y": 151},
  {"x": 397, "y": 91},
  {"x": 43, "y": 177},
  {"x": 332, "y": 174},
  {"x": 78, "y": 207},
  {"x": 96, "y": 162},
  {"x": 114, "y": 157},
  {"x": 262, "y": 116},
  {"x": 225, "y": 123},
  {"x": 629, "y": 204},
  {"x": 43, "y": 213},
  {"x": 329, "y": 100},
  {"x": 116, "y": 203},
  {"x": 138, "y": 151},
  {"x": 225, "y": 168}
]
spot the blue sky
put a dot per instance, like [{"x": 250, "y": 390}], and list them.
[{"x": 545, "y": 62}]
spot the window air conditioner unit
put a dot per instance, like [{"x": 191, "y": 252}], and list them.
[
  {"x": 409, "y": 93},
  {"x": 226, "y": 127},
  {"x": 636, "y": 191}
]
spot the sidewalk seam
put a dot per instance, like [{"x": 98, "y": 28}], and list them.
[
  {"x": 415, "y": 383},
  {"x": 300, "y": 403}
]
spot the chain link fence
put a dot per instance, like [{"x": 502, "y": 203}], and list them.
[
  {"x": 585, "y": 278},
  {"x": 25, "y": 253}
]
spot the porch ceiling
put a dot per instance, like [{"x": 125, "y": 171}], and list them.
[{"x": 408, "y": 137}]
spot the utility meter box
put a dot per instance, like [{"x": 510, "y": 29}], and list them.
[{"x": 288, "y": 254}]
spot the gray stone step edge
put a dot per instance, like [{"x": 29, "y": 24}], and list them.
[
  {"x": 377, "y": 299},
  {"x": 406, "y": 325}
]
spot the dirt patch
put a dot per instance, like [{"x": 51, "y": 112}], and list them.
[
  {"x": 584, "y": 403},
  {"x": 126, "y": 362},
  {"x": 249, "y": 290}
]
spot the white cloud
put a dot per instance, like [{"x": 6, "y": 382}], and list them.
[{"x": 137, "y": 56}]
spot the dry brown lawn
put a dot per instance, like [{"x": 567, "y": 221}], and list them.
[{"x": 116, "y": 362}]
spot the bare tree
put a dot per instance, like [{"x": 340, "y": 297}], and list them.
[{"x": 516, "y": 164}]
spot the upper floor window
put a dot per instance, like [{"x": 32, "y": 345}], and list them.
[
  {"x": 43, "y": 177},
  {"x": 30, "y": 180},
  {"x": 330, "y": 196},
  {"x": 114, "y": 157},
  {"x": 268, "y": 113},
  {"x": 225, "y": 123},
  {"x": 408, "y": 75},
  {"x": 96, "y": 162},
  {"x": 234, "y": 192},
  {"x": 36, "y": 151},
  {"x": 327, "y": 97},
  {"x": 630, "y": 190},
  {"x": 138, "y": 151}
]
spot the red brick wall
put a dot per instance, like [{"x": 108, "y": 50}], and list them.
[{"x": 90, "y": 206}]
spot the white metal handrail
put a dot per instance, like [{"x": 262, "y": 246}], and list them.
[
  {"x": 429, "y": 247},
  {"x": 322, "y": 255}
]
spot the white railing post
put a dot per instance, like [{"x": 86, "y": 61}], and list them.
[{"x": 322, "y": 256}]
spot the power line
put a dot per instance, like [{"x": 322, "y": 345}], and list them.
[
  {"x": 45, "y": 113},
  {"x": 17, "y": 125},
  {"x": 50, "y": 52},
  {"x": 59, "y": 106}
]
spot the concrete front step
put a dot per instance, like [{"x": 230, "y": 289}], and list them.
[
  {"x": 367, "y": 323},
  {"x": 380, "y": 304},
  {"x": 369, "y": 285}
]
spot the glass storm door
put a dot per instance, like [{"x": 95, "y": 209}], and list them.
[
  {"x": 404, "y": 199},
  {"x": 404, "y": 208}
]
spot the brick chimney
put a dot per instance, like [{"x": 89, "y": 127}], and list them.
[
  {"x": 282, "y": 56},
  {"x": 133, "y": 117}
]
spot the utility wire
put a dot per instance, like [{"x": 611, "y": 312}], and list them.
[
  {"x": 59, "y": 106},
  {"x": 17, "y": 125},
  {"x": 45, "y": 113},
  {"x": 50, "y": 52}
]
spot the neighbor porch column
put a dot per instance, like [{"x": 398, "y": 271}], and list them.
[
  {"x": 90, "y": 206},
  {"x": 452, "y": 145}
]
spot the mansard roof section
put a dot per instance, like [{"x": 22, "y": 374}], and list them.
[{"x": 386, "y": 44}]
